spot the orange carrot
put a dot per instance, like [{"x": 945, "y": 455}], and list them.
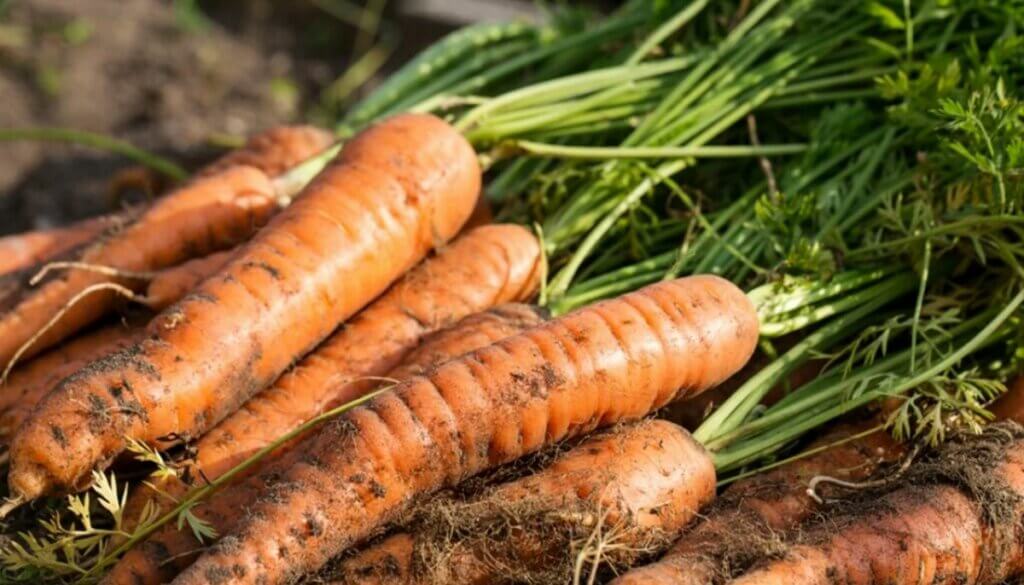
[
  {"x": 29, "y": 383},
  {"x": 24, "y": 250},
  {"x": 213, "y": 212},
  {"x": 485, "y": 267},
  {"x": 274, "y": 151},
  {"x": 955, "y": 521},
  {"x": 632, "y": 486},
  {"x": 173, "y": 283},
  {"x": 393, "y": 193},
  {"x": 614, "y": 361},
  {"x": 161, "y": 557},
  {"x": 472, "y": 332},
  {"x": 752, "y": 512}
]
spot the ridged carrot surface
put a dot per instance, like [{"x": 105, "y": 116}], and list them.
[
  {"x": 752, "y": 512},
  {"x": 483, "y": 268},
  {"x": 959, "y": 527},
  {"x": 215, "y": 211},
  {"x": 611, "y": 362},
  {"x": 641, "y": 482},
  {"x": 393, "y": 193},
  {"x": 20, "y": 251},
  {"x": 170, "y": 550}
]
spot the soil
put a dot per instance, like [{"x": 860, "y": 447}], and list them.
[{"x": 181, "y": 82}]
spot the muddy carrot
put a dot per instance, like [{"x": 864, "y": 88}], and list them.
[
  {"x": 161, "y": 557},
  {"x": 392, "y": 194},
  {"x": 954, "y": 520},
  {"x": 628, "y": 488},
  {"x": 614, "y": 361},
  {"x": 483, "y": 268},
  {"x": 171, "y": 284},
  {"x": 27, "y": 249},
  {"x": 30, "y": 382},
  {"x": 211, "y": 213},
  {"x": 750, "y": 514}
]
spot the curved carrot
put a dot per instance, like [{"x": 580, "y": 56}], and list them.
[
  {"x": 393, "y": 193},
  {"x": 634, "y": 485},
  {"x": 614, "y": 361},
  {"x": 274, "y": 151},
  {"x": 959, "y": 526},
  {"x": 483, "y": 268},
  {"x": 30, "y": 382},
  {"x": 751, "y": 512},
  {"x": 173, "y": 283},
  {"x": 20, "y": 251},
  {"x": 170, "y": 550},
  {"x": 213, "y": 212}
]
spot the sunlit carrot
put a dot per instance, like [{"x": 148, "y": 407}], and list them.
[
  {"x": 393, "y": 193},
  {"x": 610, "y": 362},
  {"x": 170, "y": 550},
  {"x": 626, "y": 490}
]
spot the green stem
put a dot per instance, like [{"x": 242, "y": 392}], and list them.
[
  {"x": 792, "y": 429},
  {"x": 738, "y": 407},
  {"x": 99, "y": 142},
  {"x": 651, "y": 152},
  {"x": 664, "y": 31}
]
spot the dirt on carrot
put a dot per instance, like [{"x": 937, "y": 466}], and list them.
[
  {"x": 485, "y": 267},
  {"x": 611, "y": 362},
  {"x": 952, "y": 519},
  {"x": 596, "y": 508},
  {"x": 213, "y": 212},
  {"x": 21, "y": 251},
  {"x": 394, "y": 192}
]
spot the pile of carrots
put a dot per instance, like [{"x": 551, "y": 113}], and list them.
[{"x": 324, "y": 360}]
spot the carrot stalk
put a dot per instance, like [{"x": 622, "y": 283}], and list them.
[
  {"x": 170, "y": 550},
  {"x": 611, "y": 362},
  {"x": 636, "y": 485},
  {"x": 393, "y": 193}
]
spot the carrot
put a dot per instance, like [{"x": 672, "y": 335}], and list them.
[
  {"x": 614, "y": 361},
  {"x": 625, "y": 490},
  {"x": 393, "y": 193},
  {"x": 954, "y": 521},
  {"x": 273, "y": 151},
  {"x": 213, "y": 212},
  {"x": 29, "y": 383},
  {"x": 21, "y": 251},
  {"x": 751, "y": 512},
  {"x": 472, "y": 332},
  {"x": 173, "y": 283},
  {"x": 161, "y": 557},
  {"x": 485, "y": 267}
]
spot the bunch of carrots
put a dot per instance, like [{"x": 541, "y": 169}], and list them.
[{"x": 694, "y": 292}]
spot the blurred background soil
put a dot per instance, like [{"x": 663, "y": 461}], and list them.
[{"x": 183, "y": 79}]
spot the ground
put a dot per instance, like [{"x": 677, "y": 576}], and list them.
[{"x": 163, "y": 75}]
